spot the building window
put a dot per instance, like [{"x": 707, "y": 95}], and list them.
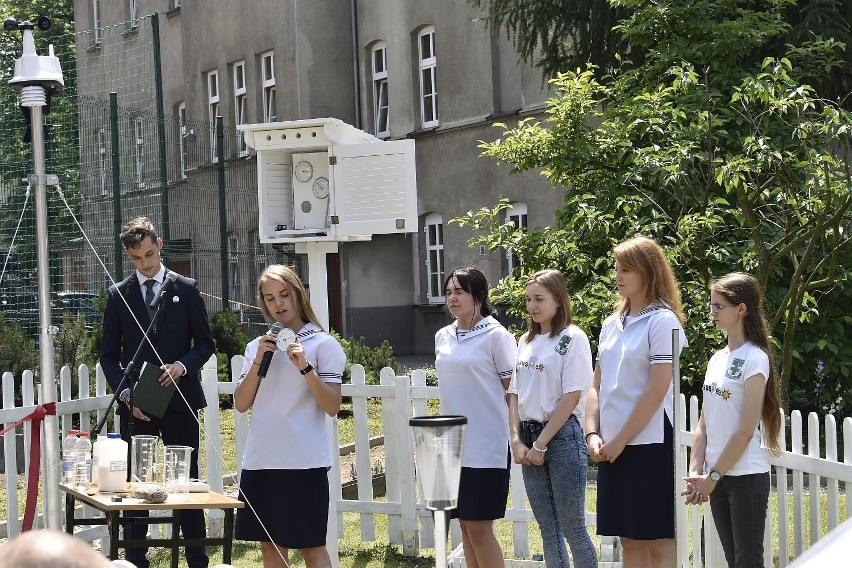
[
  {"x": 267, "y": 77},
  {"x": 132, "y": 14},
  {"x": 184, "y": 134},
  {"x": 240, "y": 116},
  {"x": 102, "y": 160},
  {"x": 175, "y": 4},
  {"x": 380, "y": 90},
  {"x": 234, "y": 266},
  {"x": 212, "y": 109},
  {"x": 139, "y": 151},
  {"x": 428, "y": 87},
  {"x": 434, "y": 229},
  {"x": 517, "y": 216},
  {"x": 96, "y": 23}
]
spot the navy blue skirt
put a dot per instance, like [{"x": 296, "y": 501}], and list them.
[
  {"x": 636, "y": 493},
  {"x": 483, "y": 493},
  {"x": 292, "y": 503}
]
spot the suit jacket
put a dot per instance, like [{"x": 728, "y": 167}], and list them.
[{"x": 183, "y": 334}]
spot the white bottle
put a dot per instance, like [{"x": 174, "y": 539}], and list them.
[
  {"x": 112, "y": 464},
  {"x": 96, "y": 452},
  {"x": 69, "y": 457},
  {"x": 84, "y": 462}
]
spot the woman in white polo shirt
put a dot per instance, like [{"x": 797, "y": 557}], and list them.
[
  {"x": 629, "y": 412},
  {"x": 288, "y": 452},
  {"x": 740, "y": 388},
  {"x": 475, "y": 357},
  {"x": 546, "y": 399}
]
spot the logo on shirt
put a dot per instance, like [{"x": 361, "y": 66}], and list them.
[
  {"x": 735, "y": 371},
  {"x": 562, "y": 346},
  {"x": 712, "y": 388},
  {"x": 531, "y": 364}
]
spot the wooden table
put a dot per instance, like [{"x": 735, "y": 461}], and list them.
[{"x": 114, "y": 519}]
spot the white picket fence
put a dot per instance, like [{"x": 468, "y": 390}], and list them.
[{"x": 409, "y": 523}]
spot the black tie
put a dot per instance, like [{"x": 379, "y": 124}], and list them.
[{"x": 149, "y": 296}]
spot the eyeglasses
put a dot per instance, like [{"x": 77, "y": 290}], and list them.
[{"x": 716, "y": 308}]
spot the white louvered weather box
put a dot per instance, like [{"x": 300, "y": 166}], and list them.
[{"x": 325, "y": 180}]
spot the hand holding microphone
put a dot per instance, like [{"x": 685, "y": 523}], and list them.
[{"x": 267, "y": 357}]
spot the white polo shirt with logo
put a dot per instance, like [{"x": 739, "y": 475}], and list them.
[
  {"x": 550, "y": 367},
  {"x": 723, "y": 392}
]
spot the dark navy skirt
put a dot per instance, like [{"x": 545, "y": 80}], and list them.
[
  {"x": 292, "y": 503},
  {"x": 636, "y": 493}
]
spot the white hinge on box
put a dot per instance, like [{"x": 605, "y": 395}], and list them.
[{"x": 332, "y": 160}]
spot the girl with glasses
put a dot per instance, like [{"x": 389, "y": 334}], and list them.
[{"x": 728, "y": 465}]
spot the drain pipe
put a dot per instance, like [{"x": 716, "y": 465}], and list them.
[{"x": 356, "y": 71}]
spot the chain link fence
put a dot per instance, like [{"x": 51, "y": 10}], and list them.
[{"x": 118, "y": 155}]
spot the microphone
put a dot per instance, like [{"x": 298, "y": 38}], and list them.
[
  {"x": 164, "y": 289},
  {"x": 267, "y": 357}
]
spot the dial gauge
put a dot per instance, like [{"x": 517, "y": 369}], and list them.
[
  {"x": 304, "y": 171},
  {"x": 320, "y": 188}
]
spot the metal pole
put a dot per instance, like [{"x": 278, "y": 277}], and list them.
[
  {"x": 679, "y": 465},
  {"x": 161, "y": 136},
  {"x": 223, "y": 213},
  {"x": 440, "y": 520},
  {"x": 116, "y": 185},
  {"x": 34, "y": 97}
]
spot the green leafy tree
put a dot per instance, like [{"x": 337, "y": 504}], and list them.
[
  {"x": 729, "y": 160},
  {"x": 555, "y": 35}
]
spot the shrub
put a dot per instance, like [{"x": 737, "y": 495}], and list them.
[{"x": 373, "y": 359}]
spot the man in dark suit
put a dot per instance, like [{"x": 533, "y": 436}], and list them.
[{"x": 183, "y": 343}]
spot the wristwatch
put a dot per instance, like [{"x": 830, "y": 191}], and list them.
[
  {"x": 714, "y": 475},
  {"x": 307, "y": 369}
]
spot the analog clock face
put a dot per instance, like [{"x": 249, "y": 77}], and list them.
[
  {"x": 320, "y": 188},
  {"x": 304, "y": 171}
]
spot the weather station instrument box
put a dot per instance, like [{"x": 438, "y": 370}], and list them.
[{"x": 325, "y": 180}]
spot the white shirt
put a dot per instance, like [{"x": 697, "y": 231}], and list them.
[
  {"x": 548, "y": 368},
  {"x": 625, "y": 355},
  {"x": 471, "y": 366},
  {"x": 288, "y": 429},
  {"x": 158, "y": 278},
  {"x": 724, "y": 390}
]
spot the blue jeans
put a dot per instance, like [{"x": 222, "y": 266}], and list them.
[
  {"x": 557, "y": 494},
  {"x": 739, "y": 504}
]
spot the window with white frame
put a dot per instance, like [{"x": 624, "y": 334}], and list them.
[
  {"x": 517, "y": 216},
  {"x": 434, "y": 229},
  {"x": 212, "y": 109},
  {"x": 132, "y": 14},
  {"x": 100, "y": 134},
  {"x": 240, "y": 100},
  {"x": 234, "y": 266},
  {"x": 267, "y": 78},
  {"x": 96, "y": 22},
  {"x": 380, "y": 90},
  {"x": 184, "y": 133},
  {"x": 139, "y": 151},
  {"x": 428, "y": 87},
  {"x": 175, "y": 4}
]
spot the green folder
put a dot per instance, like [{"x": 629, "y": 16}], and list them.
[{"x": 149, "y": 395}]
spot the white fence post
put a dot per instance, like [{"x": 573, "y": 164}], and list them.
[
  {"x": 392, "y": 457},
  {"x": 213, "y": 441}
]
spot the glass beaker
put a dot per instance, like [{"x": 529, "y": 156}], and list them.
[
  {"x": 176, "y": 467},
  {"x": 143, "y": 459}
]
